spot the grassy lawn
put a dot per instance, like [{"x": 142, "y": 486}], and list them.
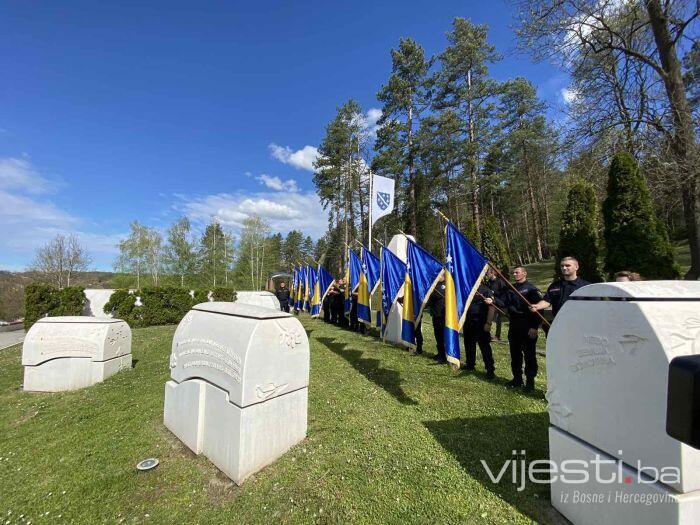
[{"x": 392, "y": 439}]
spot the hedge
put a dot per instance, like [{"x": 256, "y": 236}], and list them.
[
  {"x": 44, "y": 300},
  {"x": 160, "y": 305}
]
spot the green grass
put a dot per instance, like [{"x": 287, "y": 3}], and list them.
[{"x": 391, "y": 439}]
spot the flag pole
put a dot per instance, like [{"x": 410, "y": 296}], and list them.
[
  {"x": 371, "y": 177},
  {"x": 507, "y": 281}
]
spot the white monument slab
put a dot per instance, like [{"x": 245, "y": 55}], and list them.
[
  {"x": 392, "y": 333},
  {"x": 96, "y": 301},
  {"x": 67, "y": 353},
  {"x": 239, "y": 387},
  {"x": 608, "y": 355},
  {"x": 265, "y": 299}
]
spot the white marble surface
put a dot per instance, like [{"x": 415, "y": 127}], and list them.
[
  {"x": 238, "y": 392},
  {"x": 66, "y": 353},
  {"x": 266, "y": 299},
  {"x": 607, "y": 368},
  {"x": 96, "y": 301},
  {"x": 615, "y": 496}
]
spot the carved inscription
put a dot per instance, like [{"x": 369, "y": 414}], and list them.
[
  {"x": 220, "y": 357},
  {"x": 595, "y": 354}
]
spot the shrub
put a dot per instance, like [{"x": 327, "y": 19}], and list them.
[
  {"x": 44, "y": 300},
  {"x": 200, "y": 296},
  {"x": 635, "y": 239},
  {"x": 492, "y": 244},
  {"x": 121, "y": 305},
  {"x": 164, "y": 305},
  {"x": 221, "y": 293},
  {"x": 578, "y": 236}
]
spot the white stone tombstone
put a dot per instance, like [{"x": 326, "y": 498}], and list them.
[
  {"x": 265, "y": 299},
  {"x": 67, "y": 353},
  {"x": 608, "y": 355},
  {"x": 239, "y": 387}
]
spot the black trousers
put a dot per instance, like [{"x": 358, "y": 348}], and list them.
[
  {"x": 474, "y": 334},
  {"x": 522, "y": 346},
  {"x": 419, "y": 337},
  {"x": 327, "y": 311},
  {"x": 439, "y": 331},
  {"x": 285, "y": 307}
]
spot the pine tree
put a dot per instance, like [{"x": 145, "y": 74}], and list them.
[
  {"x": 579, "y": 232},
  {"x": 492, "y": 245},
  {"x": 634, "y": 238}
]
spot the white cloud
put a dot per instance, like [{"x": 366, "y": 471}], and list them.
[
  {"x": 19, "y": 174},
  {"x": 277, "y": 184},
  {"x": 284, "y": 212},
  {"x": 569, "y": 95},
  {"x": 29, "y": 218},
  {"x": 370, "y": 121},
  {"x": 300, "y": 159}
]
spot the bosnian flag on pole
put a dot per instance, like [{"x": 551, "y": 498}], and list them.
[
  {"x": 464, "y": 269},
  {"x": 422, "y": 272},
  {"x": 322, "y": 284},
  {"x": 310, "y": 285},
  {"x": 299, "y": 297},
  {"x": 393, "y": 272},
  {"x": 293, "y": 290},
  {"x": 369, "y": 278},
  {"x": 353, "y": 272}
]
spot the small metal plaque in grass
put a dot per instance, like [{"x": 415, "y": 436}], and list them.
[{"x": 147, "y": 464}]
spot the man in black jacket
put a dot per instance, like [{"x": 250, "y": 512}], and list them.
[
  {"x": 523, "y": 329},
  {"x": 282, "y": 294},
  {"x": 499, "y": 289},
  {"x": 477, "y": 329},
  {"x": 436, "y": 306}
]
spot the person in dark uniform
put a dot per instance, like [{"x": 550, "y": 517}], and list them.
[
  {"x": 477, "y": 329},
  {"x": 338, "y": 303},
  {"x": 436, "y": 306},
  {"x": 522, "y": 330},
  {"x": 326, "y": 306},
  {"x": 560, "y": 290},
  {"x": 354, "y": 321},
  {"x": 499, "y": 289},
  {"x": 282, "y": 294}
]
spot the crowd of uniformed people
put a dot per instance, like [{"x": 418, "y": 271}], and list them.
[{"x": 520, "y": 301}]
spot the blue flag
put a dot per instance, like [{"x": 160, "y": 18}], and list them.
[
  {"x": 299, "y": 292},
  {"x": 309, "y": 289},
  {"x": 465, "y": 268},
  {"x": 323, "y": 283},
  {"x": 370, "y": 265},
  {"x": 353, "y": 278},
  {"x": 422, "y": 273},
  {"x": 369, "y": 279},
  {"x": 393, "y": 272}
]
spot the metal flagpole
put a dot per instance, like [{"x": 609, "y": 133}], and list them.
[{"x": 369, "y": 242}]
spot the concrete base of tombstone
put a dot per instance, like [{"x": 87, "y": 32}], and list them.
[
  {"x": 618, "y": 494},
  {"x": 239, "y": 441},
  {"x": 71, "y": 373}
]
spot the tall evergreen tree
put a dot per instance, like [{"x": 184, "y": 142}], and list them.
[
  {"x": 634, "y": 239},
  {"x": 579, "y": 232}
]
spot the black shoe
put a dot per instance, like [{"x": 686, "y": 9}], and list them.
[
  {"x": 514, "y": 383},
  {"x": 490, "y": 374},
  {"x": 440, "y": 360},
  {"x": 419, "y": 351},
  {"x": 529, "y": 386},
  {"x": 469, "y": 368}
]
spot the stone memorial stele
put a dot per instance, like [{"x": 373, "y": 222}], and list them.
[
  {"x": 71, "y": 352},
  {"x": 266, "y": 299},
  {"x": 239, "y": 388},
  {"x": 608, "y": 356}
]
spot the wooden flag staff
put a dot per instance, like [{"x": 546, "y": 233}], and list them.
[{"x": 507, "y": 281}]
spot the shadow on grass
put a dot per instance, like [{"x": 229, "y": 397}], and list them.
[
  {"x": 493, "y": 439},
  {"x": 389, "y": 380}
]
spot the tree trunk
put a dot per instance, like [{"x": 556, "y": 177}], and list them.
[
  {"x": 412, "y": 178},
  {"x": 533, "y": 206},
  {"x": 476, "y": 215},
  {"x": 683, "y": 140}
]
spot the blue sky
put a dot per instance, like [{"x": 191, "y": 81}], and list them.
[{"x": 111, "y": 113}]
